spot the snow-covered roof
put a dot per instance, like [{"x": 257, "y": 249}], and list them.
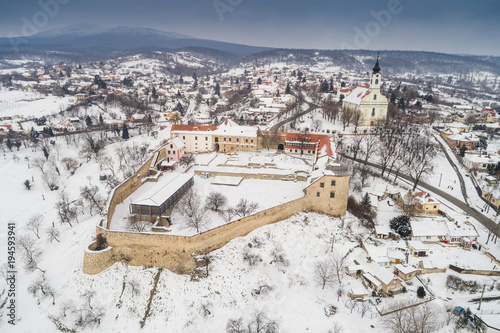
[
  {"x": 164, "y": 189},
  {"x": 464, "y": 229},
  {"x": 178, "y": 142},
  {"x": 405, "y": 269},
  {"x": 422, "y": 228},
  {"x": 418, "y": 245},
  {"x": 357, "y": 95}
]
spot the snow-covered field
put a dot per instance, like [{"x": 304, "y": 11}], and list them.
[{"x": 29, "y": 104}]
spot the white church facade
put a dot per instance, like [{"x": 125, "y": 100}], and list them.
[{"x": 368, "y": 100}]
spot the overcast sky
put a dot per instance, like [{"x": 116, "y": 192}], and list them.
[{"x": 452, "y": 26}]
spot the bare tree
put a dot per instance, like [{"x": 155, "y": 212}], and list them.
[
  {"x": 29, "y": 252},
  {"x": 279, "y": 257},
  {"x": 134, "y": 287},
  {"x": 197, "y": 219},
  {"x": 136, "y": 225},
  {"x": 447, "y": 313},
  {"x": 65, "y": 210},
  {"x": 51, "y": 179},
  {"x": 215, "y": 201},
  {"x": 425, "y": 152},
  {"x": 90, "y": 193},
  {"x": 324, "y": 273},
  {"x": 337, "y": 328},
  {"x": 338, "y": 264},
  {"x": 370, "y": 146},
  {"x": 39, "y": 162},
  {"x": 356, "y": 119},
  {"x": 355, "y": 146},
  {"x": 189, "y": 202},
  {"x": 422, "y": 318},
  {"x": 260, "y": 323},
  {"x": 186, "y": 160},
  {"x": 317, "y": 125},
  {"x": 227, "y": 214},
  {"x": 365, "y": 307},
  {"x": 88, "y": 295},
  {"x": 34, "y": 224},
  {"x": 70, "y": 164},
  {"x": 345, "y": 117},
  {"x": 205, "y": 309},
  {"x": 53, "y": 234},
  {"x": 245, "y": 208}
]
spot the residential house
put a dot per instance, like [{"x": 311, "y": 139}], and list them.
[
  {"x": 469, "y": 141},
  {"x": 405, "y": 272},
  {"x": 417, "y": 248},
  {"x": 479, "y": 162},
  {"x": 420, "y": 202}
]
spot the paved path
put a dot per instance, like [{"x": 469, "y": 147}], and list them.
[
  {"x": 484, "y": 220},
  {"x": 277, "y": 126},
  {"x": 459, "y": 174}
]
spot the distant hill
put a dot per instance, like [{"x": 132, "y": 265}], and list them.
[
  {"x": 89, "y": 42},
  {"x": 391, "y": 61},
  {"x": 107, "y": 42}
]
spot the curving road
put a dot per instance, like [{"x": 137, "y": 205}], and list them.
[
  {"x": 485, "y": 221},
  {"x": 277, "y": 126}
]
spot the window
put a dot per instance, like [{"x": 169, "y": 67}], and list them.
[
  {"x": 373, "y": 111},
  {"x": 435, "y": 206},
  {"x": 427, "y": 237},
  {"x": 183, "y": 137},
  {"x": 333, "y": 182},
  {"x": 332, "y": 194},
  {"x": 317, "y": 194},
  {"x": 251, "y": 141},
  {"x": 206, "y": 138},
  {"x": 216, "y": 139},
  {"x": 237, "y": 140},
  {"x": 321, "y": 185},
  {"x": 246, "y": 140},
  {"x": 196, "y": 138},
  {"x": 374, "y": 96},
  {"x": 224, "y": 139},
  {"x": 376, "y": 81},
  {"x": 171, "y": 146},
  {"x": 229, "y": 139}
]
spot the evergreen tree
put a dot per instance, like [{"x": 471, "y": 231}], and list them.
[
  {"x": 9, "y": 144},
  {"x": 259, "y": 81},
  {"x": 366, "y": 203},
  {"x": 27, "y": 184},
  {"x": 421, "y": 292},
  {"x": 217, "y": 90},
  {"x": 237, "y": 81},
  {"x": 249, "y": 86},
  {"x": 401, "y": 225},
  {"x": 288, "y": 90},
  {"x": 88, "y": 121},
  {"x": 278, "y": 93},
  {"x": 101, "y": 120},
  {"x": 153, "y": 92},
  {"x": 181, "y": 80},
  {"x": 324, "y": 86},
  {"x": 461, "y": 153},
  {"x": 178, "y": 94},
  {"x": 125, "y": 134},
  {"x": 45, "y": 153}
]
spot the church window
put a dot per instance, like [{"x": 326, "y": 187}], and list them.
[
  {"x": 374, "y": 96},
  {"x": 373, "y": 112},
  {"x": 376, "y": 81}
]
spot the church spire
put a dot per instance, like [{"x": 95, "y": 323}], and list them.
[{"x": 376, "y": 68}]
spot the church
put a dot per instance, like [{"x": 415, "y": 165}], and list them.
[{"x": 368, "y": 100}]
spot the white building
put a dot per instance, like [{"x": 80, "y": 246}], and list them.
[{"x": 368, "y": 100}]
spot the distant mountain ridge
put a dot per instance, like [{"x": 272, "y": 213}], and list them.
[
  {"x": 90, "y": 42},
  {"x": 108, "y": 42}
]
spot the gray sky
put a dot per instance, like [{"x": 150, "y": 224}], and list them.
[{"x": 452, "y": 26}]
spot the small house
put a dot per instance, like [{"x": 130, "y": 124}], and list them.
[
  {"x": 405, "y": 272},
  {"x": 417, "y": 248}
]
